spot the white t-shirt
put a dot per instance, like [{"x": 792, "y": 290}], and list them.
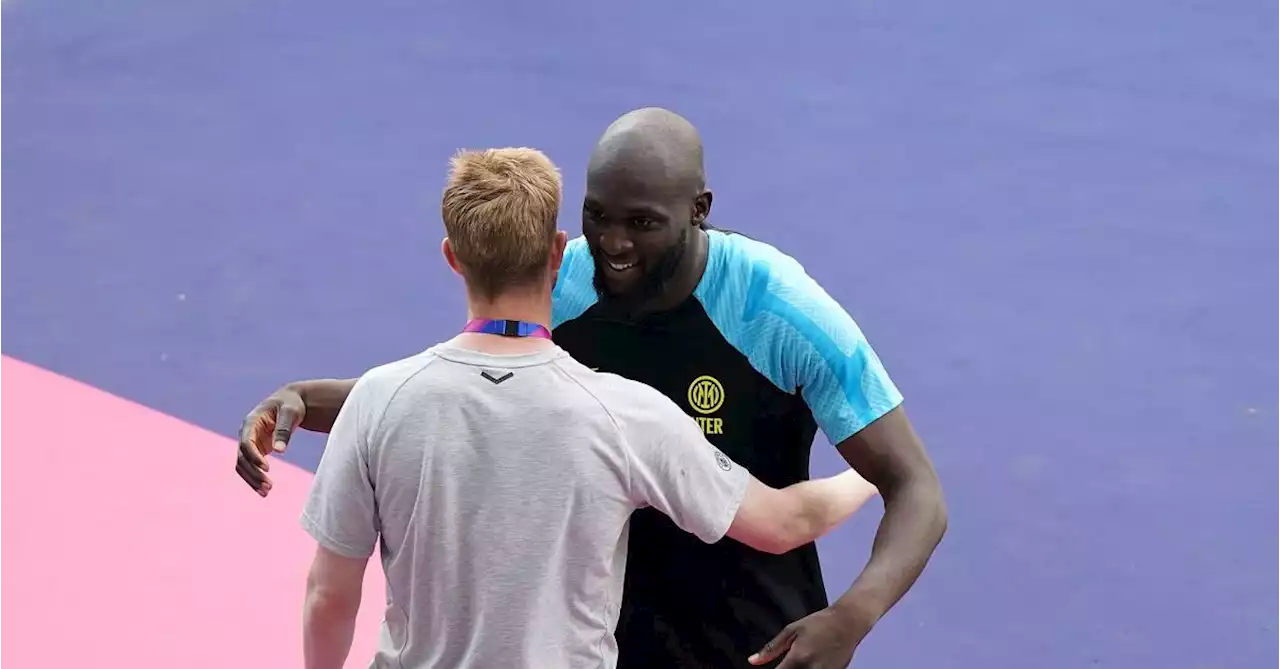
[{"x": 501, "y": 489}]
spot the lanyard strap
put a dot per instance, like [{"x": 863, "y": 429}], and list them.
[{"x": 507, "y": 328}]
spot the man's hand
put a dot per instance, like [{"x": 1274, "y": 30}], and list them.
[
  {"x": 311, "y": 405},
  {"x": 266, "y": 430},
  {"x": 822, "y": 640}
]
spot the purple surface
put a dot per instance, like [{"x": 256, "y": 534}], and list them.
[{"x": 1057, "y": 223}]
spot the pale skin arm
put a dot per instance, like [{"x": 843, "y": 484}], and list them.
[
  {"x": 334, "y": 588},
  {"x": 674, "y": 468},
  {"x": 778, "y": 521}
]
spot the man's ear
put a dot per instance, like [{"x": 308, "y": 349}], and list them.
[
  {"x": 702, "y": 207},
  {"x": 557, "y": 250},
  {"x": 450, "y": 257}
]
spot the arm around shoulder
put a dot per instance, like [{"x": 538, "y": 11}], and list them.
[
  {"x": 677, "y": 471},
  {"x": 323, "y": 399}
]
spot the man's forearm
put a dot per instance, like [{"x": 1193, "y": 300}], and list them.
[
  {"x": 328, "y": 627},
  {"x": 829, "y": 502},
  {"x": 915, "y": 518},
  {"x": 324, "y": 399}
]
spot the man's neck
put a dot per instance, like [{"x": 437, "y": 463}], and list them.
[
  {"x": 513, "y": 311},
  {"x": 687, "y": 277},
  {"x": 527, "y": 308}
]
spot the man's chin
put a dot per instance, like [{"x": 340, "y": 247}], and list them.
[
  {"x": 615, "y": 294},
  {"x": 616, "y": 288}
]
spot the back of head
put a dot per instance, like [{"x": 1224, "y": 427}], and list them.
[{"x": 499, "y": 209}]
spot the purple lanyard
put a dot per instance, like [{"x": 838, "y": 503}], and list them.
[{"x": 507, "y": 328}]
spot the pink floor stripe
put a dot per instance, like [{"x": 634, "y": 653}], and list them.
[{"x": 128, "y": 540}]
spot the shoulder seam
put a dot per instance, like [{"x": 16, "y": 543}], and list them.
[{"x": 395, "y": 393}]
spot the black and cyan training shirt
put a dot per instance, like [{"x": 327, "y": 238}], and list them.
[{"x": 761, "y": 358}]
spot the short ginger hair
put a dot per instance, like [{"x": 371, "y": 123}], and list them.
[{"x": 500, "y": 208}]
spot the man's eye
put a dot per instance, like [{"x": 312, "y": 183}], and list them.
[{"x": 643, "y": 223}]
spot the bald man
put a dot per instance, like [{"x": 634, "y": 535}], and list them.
[{"x": 760, "y": 357}]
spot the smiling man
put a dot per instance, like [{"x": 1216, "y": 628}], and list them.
[{"x": 761, "y": 357}]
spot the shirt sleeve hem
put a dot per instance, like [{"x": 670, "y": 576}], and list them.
[
  {"x": 731, "y": 512},
  {"x": 317, "y": 532},
  {"x": 848, "y": 430}
]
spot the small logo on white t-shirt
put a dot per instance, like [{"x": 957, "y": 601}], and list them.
[
  {"x": 494, "y": 379},
  {"x": 723, "y": 461}
]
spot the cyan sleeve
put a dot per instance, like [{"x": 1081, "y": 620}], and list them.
[
  {"x": 795, "y": 334},
  {"x": 575, "y": 289}
]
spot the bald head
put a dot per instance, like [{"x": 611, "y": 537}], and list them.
[
  {"x": 646, "y": 195},
  {"x": 654, "y": 146}
]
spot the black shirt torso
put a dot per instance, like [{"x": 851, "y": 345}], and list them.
[{"x": 687, "y": 603}]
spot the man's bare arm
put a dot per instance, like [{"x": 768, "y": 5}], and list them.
[
  {"x": 778, "y": 521},
  {"x": 322, "y": 399},
  {"x": 890, "y": 455},
  {"x": 334, "y": 588}
]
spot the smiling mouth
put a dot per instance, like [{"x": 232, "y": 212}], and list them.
[{"x": 620, "y": 267}]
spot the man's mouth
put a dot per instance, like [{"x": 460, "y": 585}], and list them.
[{"x": 619, "y": 266}]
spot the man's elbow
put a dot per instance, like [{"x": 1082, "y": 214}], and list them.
[
  {"x": 776, "y": 536},
  {"x": 325, "y": 600},
  {"x": 924, "y": 493},
  {"x": 325, "y": 612},
  {"x": 938, "y": 503},
  {"x": 807, "y": 520},
  {"x": 798, "y": 530},
  {"x": 939, "y": 517},
  {"x": 777, "y": 545}
]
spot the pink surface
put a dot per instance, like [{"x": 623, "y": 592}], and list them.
[{"x": 130, "y": 542}]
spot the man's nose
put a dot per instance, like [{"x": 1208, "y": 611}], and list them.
[{"x": 615, "y": 242}]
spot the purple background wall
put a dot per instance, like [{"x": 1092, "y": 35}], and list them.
[{"x": 1056, "y": 222}]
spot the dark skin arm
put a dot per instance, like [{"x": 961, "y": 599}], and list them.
[
  {"x": 323, "y": 399},
  {"x": 890, "y": 455},
  {"x": 312, "y": 405}
]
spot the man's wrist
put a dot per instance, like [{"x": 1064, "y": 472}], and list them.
[
  {"x": 860, "y": 607},
  {"x": 299, "y": 387}
]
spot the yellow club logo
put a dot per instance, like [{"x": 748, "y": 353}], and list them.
[{"x": 706, "y": 395}]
